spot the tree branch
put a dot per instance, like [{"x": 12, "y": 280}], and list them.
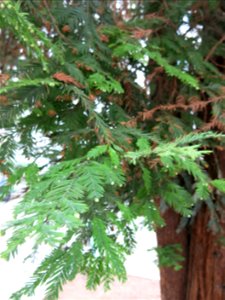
[
  {"x": 213, "y": 49},
  {"x": 54, "y": 22}
]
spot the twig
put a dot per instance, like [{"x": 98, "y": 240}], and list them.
[
  {"x": 55, "y": 22},
  {"x": 213, "y": 49}
]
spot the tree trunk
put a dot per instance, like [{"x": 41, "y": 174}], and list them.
[
  {"x": 172, "y": 282},
  {"x": 203, "y": 273},
  {"x": 206, "y": 266}
]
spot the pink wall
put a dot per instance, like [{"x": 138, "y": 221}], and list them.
[{"x": 135, "y": 288}]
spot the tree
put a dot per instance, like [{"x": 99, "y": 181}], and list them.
[{"x": 117, "y": 150}]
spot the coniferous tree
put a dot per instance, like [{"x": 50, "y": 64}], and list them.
[{"x": 116, "y": 149}]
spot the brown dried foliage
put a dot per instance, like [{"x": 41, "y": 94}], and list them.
[
  {"x": 140, "y": 33},
  {"x": 52, "y": 113},
  {"x": 38, "y": 104},
  {"x": 66, "y": 29},
  {"x": 214, "y": 123},
  {"x": 67, "y": 79},
  {"x": 104, "y": 38},
  {"x": 4, "y": 78},
  {"x": 84, "y": 67},
  {"x": 63, "y": 98},
  {"x": 131, "y": 123},
  {"x": 4, "y": 100},
  {"x": 195, "y": 104}
]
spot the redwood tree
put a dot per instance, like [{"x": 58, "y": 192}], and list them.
[{"x": 129, "y": 99}]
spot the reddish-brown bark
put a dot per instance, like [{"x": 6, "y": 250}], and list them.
[
  {"x": 172, "y": 282},
  {"x": 206, "y": 265},
  {"x": 203, "y": 273}
]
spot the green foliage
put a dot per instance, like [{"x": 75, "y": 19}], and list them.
[
  {"x": 13, "y": 18},
  {"x": 219, "y": 184},
  {"x": 28, "y": 82},
  {"x": 117, "y": 149},
  {"x": 99, "y": 81},
  {"x": 108, "y": 250},
  {"x": 177, "y": 197},
  {"x": 170, "y": 256},
  {"x": 141, "y": 54},
  {"x": 173, "y": 71},
  {"x": 147, "y": 178},
  {"x": 152, "y": 215},
  {"x": 97, "y": 151},
  {"x": 60, "y": 266}
]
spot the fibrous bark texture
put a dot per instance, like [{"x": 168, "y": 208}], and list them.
[{"x": 203, "y": 274}]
